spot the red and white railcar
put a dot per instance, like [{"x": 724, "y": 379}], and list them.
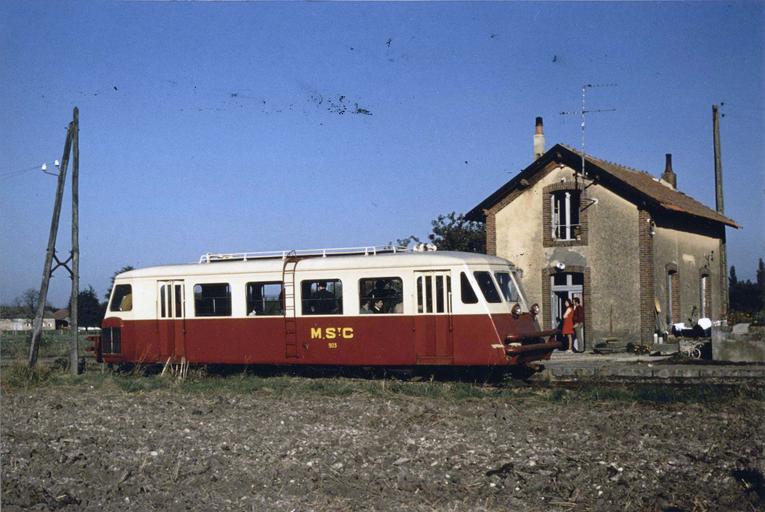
[{"x": 367, "y": 307}]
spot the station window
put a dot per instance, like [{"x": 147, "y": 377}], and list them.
[
  {"x": 212, "y": 299},
  {"x": 322, "y": 297},
  {"x": 486, "y": 284},
  {"x": 381, "y": 295},
  {"x": 565, "y": 214},
  {"x": 507, "y": 286},
  {"x": 265, "y": 298},
  {"x": 705, "y": 295},
  {"x": 467, "y": 292},
  {"x": 122, "y": 299},
  {"x": 673, "y": 297}
]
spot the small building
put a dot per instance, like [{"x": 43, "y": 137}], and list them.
[
  {"x": 641, "y": 254},
  {"x": 17, "y": 324},
  {"x": 61, "y": 316}
]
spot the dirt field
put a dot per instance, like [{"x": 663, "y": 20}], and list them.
[{"x": 339, "y": 444}]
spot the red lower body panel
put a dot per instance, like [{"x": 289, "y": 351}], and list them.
[{"x": 462, "y": 340}]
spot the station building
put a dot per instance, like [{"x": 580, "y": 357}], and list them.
[{"x": 641, "y": 254}]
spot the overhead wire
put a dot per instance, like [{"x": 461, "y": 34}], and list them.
[
  {"x": 7, "y": 170},
  {"x": 8, "y": 174},
  {"x": 14, "y": 174}
]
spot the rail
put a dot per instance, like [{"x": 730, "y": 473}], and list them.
[{"x": 284, "y": 254}]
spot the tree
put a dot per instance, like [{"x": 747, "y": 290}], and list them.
[
  {"x": 746, "y": 296},
  {"x": 90, "y": 312},
  {"x": 26, "y": 304},
  {"x": 732, "y": 280},
  {"x": 114, "y": 276},
  {"x": 406, "y": 241},
  {"x": 453, "y": 232}
]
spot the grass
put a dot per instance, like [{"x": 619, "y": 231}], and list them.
[
  {"x": 660, "y": 393},
  {"x": 199, "y": 381},
  {"x": 15, "y": 345},
  {"x": 19, "y": 376}
]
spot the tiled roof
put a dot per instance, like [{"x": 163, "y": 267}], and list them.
[
  {"x": 669, "y": 198},
  {"x": 640, "y": 182}
]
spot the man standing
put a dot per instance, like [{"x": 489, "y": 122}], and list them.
[
  {"x": 579, "y": 324},
  {"x": 323, "y": 300}
]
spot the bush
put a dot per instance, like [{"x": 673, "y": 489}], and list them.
[
  {"x": 21, "y": 376},
  {"x": 741, "y": 317}
]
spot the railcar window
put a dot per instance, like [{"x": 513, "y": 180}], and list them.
[
  {"x": 322, "y": 297},
  {"x": 212, "y": 299},
  {"x": 440, "y": 295},
  {"x": 467, "y": 292},
  {"x": 486, "y": 284},
  {"x": 111, "y": 342},
  {"x": 434, "y": 288},
  {"x": 122, "y": 299},
  {"x": 162, "y": 301},
  {"x": 178, "y": 300},
  {"x": 381, "y": 295},
  {"x": 425, "y": 304},
  {"x": 265, "y": 298},
  {"x": 507, "y": 286}
]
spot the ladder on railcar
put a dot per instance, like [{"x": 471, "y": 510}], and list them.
[{"x": 290, "y": 320}]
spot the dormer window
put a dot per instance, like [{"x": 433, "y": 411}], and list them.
[{"x": 564, "y": 206}]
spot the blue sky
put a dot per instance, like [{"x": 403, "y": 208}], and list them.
[{"x": 240, "y": 126}]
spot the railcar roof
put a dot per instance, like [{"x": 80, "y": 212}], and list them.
[{"x": 408, "y": 259}]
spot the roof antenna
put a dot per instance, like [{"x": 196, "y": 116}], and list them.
[{"x": 584, "y": 113}]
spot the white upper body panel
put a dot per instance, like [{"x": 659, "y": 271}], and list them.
[
  {"x": 413, "y": 260},
  {"x": 351, "y": 270}
]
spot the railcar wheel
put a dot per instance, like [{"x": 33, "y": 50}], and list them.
[{"x": 523, "y": 372}]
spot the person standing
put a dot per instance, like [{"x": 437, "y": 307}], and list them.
[
  {"x": 568, "y": 324},
  {"x": 579, "y": 323},
  {"x": 323, "y": 300}
]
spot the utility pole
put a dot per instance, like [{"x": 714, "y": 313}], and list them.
[
  {"x": 74, "y": 324},
  {"x": 720, "y": 206},
  {"x": 50, "y": 255}
]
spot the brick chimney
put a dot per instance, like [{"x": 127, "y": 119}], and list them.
[
  {"x": 669, "y": 176},
  {"x": 539, "y": 139}
]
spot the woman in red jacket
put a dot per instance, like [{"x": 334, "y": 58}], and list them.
[{"x": 568, "y": 324}]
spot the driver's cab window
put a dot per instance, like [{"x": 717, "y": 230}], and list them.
[
  {"x": 486, "y": 284},
  {"x": 122, "y": 298},
  {"x": 507, "y": 286}
]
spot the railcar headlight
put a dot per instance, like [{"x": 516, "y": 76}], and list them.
[
  {"x": 534, "y": 309},
  {"x": 516, "y": 311}
]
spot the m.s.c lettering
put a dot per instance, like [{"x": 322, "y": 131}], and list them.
[{"x": 331, "y": 333}]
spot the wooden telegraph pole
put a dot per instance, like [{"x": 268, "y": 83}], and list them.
[
  {"x": 720, "y": 206},
  {"x": 74, "y": 308},
  {"x": 50, "y": 255}
]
